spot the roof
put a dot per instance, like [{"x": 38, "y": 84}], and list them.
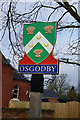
[
  {"x": 49, "y": 94},
  {"x": 16, "y": 75},
  {"x": 6, "y": 61}
]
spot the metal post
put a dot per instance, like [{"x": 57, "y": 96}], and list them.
[{"x": 35, "y": 106}]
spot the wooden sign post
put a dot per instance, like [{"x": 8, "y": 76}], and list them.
[
  {"x": 35, "y": 108},
  {"x": 38, "y": 41}
]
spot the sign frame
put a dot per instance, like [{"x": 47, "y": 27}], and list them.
[{"x": 42, "y": 63}]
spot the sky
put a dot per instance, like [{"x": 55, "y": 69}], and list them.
[{"x": 62, "y": 41}]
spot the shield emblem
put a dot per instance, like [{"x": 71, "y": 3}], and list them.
[{"x": 39, "y": 40}]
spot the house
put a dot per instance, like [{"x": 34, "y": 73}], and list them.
[
  {"x": 49, "y": 96},
  {"x": 14, "y": 86}
]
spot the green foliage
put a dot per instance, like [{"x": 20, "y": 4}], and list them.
[{"x": 73, "y": 94}]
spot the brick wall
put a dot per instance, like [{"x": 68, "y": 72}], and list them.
[
  {"x": 23, "y": 114},
  {"x": 0, "y": 80},
  {"x": 23, "y": 87},
  {"x": 52, "y": 100},
  {"x": 8, "y": 84}
]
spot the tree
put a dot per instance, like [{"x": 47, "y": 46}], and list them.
[
  {"x": 13, "y": 19},
  {"x": 59, "y": 84},
  {"x": 72, "y": 94}
]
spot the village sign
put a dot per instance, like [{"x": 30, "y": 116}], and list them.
[{"x": 38, "y": 40}]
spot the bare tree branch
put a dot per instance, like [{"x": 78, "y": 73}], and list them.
[
  {"x": 68, "y": 62},
  {"x": 69, "y": 26},
  {"x": 13, "y": 20}
]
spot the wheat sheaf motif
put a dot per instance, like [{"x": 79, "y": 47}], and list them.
[
  {"x": 37, "y": 52},
  {"x": 48, "y": 28},
  {"x": 30, "y": 30}
]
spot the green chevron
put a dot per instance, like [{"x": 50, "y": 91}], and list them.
[{"x": 43, "y": 54}]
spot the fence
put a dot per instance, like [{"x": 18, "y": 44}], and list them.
[
  {"x": 67, "y": 110},
  {"x": 60, "y": 110}
]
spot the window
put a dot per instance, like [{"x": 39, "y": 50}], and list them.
[{"x": 15, "y": 92}]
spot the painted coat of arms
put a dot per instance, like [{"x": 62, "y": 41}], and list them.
[{"x": 38, "y": 42}]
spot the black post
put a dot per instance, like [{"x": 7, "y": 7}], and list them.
[{"x": 35, "y": 107}]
